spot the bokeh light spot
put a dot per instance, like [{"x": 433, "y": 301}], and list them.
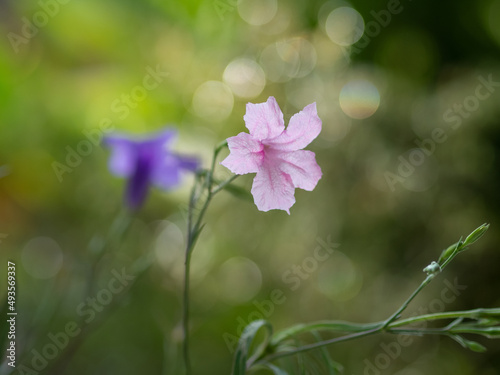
[
  {"x": 339, "y": 278},
  {"x": 257, "y": 12},
  {"x": 359, "y": 99},
  {"x": 409, "y": 51},
  {"x": 344, "y": 26},
  {"x": 287, "y": 59},
  {"x": 240, "y": 279},
  {"x": 280, "y": 22},
  {"x": 42, "y": 257},
  {"x": 417, "y": 169},
  {"x": 245, "y": 78},
  {"x": 169, "y": 244},
  {"x": 213, "y": 101},
  {"x": 492, "y": 19}
]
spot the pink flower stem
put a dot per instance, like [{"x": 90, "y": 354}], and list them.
[{"x": 203, "y": 181}]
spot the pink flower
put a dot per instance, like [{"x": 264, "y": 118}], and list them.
[{"x": 276, "y": 154}]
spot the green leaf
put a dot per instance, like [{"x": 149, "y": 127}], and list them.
[
  {"x": 334, "y": 368},
  {"x": 241, "y": 358},
  {"x": 476, "y": 347},
  {"x": 468, "y": 344},
  {"x": 489, "y": 332},
  {"x": 460, "y": 246},
  {"x": 275, "y": 369},
  {"x": 300, "y": 360},
  {"x": 239, "y": 192},
  {"x": 451, "y": 251},
  {"x": 476, "y": 314},
  {"x": 325, "y": 325}
]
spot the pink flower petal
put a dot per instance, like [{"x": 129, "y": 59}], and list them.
[
  {"x": 272, "y": 189},
  {"x": 301, "y": 166},
  {"x": 245, "y": 154},
  {"x": 264, "y": 120},
  {"x": 303, "y": 128}
]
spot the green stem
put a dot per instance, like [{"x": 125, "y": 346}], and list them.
[
  {"x": 390, "y": 325},
  {"x": 360, "y": 330},
  {"x": 471, "y": 314},
  {"x": 459, "y": 246},
  {"x": 407, "y": 302},
  {"x": 316, "y": 345},
  {"x": 225, "y": 183},
  {"x": 187, "y": 264},
  {"x": 427, "y": 280},
  {"x": 336, "y": 325},
  {"x": 185, "y": 313},
  {"x": 99, "y": 249},
  {"x": 420, "y": 331},
  {"x": 194, "y": 229}
]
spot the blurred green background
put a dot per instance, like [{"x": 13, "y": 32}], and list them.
[{"x": 384, "y": 74}]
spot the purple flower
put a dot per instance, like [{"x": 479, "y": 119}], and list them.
[
  {"x": 147, "y": 162},
  {"x": 276, "y": 154}
]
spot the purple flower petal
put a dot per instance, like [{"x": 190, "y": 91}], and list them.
[
  {"x": 161, "y": 140},
  {"x": 124, "y": 150},
  {"x": 147, "y": 162},
  {"x": 189, "y": 163},
  {"x": 166, "y": 173},
  {"x": 123, "y": 156},
  {"x": 138, "y": 185}
]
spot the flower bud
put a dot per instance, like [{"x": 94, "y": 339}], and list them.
[
  {"x": 476, "y": 234},
  {"x": 432, "y": 269}
]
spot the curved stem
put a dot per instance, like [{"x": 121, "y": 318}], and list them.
[
  {"x": 336, "y": 326},
  {"x": 361, "y": 330},
  {"x": 319, "y": 344},
  {"x": 191, "y": 238},
  {"x": 225, "y": 183},
  {"x": 99, "y": 249},
  {"x": 427, "y": 280},
  {"x": 357, "y": 330},
  {"x": 403, "y": 307},
  {"x": 471, "y": 314},
  {"x": 420, "y": 331},
  {"x": 194, "y": 229},
  {"x": 364, "y": 329},
  {"x": 185, "y": 314}
]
